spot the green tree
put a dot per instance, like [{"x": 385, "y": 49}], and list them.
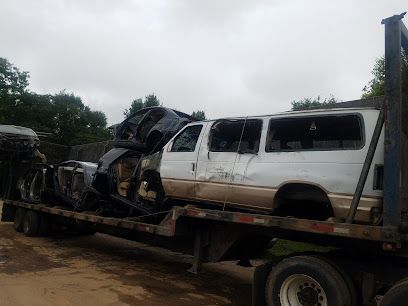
[
  {"x": 138, "y": 104},
  {"x": 151, "y": 100},
  {"x": 75, "y": 123},
  {"x": 312, "y": 103},
  {"x": 13, "y": 82},
  {"x": 199, "y": 115},
  {"x": 376, "y": 86},
  {"x": 63, "y": 115}
]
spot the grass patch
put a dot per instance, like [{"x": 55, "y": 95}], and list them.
[{"x": 287, "y": 247}]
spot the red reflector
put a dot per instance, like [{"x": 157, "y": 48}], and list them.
[
  {"x": 192, "y": 212},
  {"x": 246, "y": 219},
  {"x": 323, "y": 228}
]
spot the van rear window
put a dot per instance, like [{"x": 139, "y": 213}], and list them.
[{"x": 315, "y": 133}]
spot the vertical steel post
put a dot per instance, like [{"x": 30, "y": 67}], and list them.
[
  {"x": 366, "y": 167},
  {"x": 393, "y": 127}
]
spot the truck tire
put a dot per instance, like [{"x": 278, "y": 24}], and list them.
[
  {"x": 397, "y": 295},
  {"x": 19, "y": 219},
  {"x": 347, "y": 279},
  {"x": 306, "y": 280},
  {"x": 31, "y": 223}
]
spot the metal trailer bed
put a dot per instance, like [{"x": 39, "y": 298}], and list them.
[{"x": 373, "y": 254}]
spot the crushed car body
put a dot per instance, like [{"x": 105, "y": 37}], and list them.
[
  {"x": 18, "y": 149},
  {"x": 149, "y": 129},
  {"x": 20, "y": 141},
  {"x": 72, "y": 178},
  {"x": 110, "y": 186},
  {"x": 66, "y": 181},
  {"x": 141, "y": 134}
]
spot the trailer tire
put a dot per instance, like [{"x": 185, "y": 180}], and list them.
[
  {"x": 19, "y": 219},
  {"x": 44, "y": 225},
  {"x": 31, "y": 223},
  {"x": 396, "y": 295},
  {"x": 306, "y": 280}
]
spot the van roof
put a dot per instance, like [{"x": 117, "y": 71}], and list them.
[{"x": 374, "y": 103}]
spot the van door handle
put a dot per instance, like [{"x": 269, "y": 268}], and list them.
[{"x": 193, "y": 167}]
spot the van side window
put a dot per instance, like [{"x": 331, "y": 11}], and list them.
[
  {"x": 317, "y": 133},
  {"x": 226, "y": 134},
  {"x": 186, "y": 141}
]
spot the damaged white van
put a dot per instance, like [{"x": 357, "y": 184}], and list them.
[{"x": 303, "y": 164}]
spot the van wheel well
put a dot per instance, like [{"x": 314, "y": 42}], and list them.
[{"x": 303, "y": 201}]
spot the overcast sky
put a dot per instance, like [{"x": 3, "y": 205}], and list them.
[{"x": 226, "y": 57}]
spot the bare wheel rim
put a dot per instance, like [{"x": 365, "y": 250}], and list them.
[{"x": 302, "y": 290}]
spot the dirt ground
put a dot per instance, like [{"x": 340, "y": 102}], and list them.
[{"x": 104, "y": 270}]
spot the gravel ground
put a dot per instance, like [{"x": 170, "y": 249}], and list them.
[{"x": 105, "y": 270}]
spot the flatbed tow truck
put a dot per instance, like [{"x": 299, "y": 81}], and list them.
[{"x": 368, "y": 264}]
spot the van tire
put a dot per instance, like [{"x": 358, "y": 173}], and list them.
[{"x": 306, "y": 277}]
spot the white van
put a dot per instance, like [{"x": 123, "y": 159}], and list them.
[{"x": 303, "y": 164}]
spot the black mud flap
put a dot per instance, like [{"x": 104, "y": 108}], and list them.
[
  {"x": 258, "y": 284},
  {"x": 7, "y": 212}
]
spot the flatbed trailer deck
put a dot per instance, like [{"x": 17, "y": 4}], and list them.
[
  {"x": 369, "y": 265},
  {"x": 168, "y": 226}
]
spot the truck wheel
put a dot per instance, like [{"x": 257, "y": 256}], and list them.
[
  {"x": 346, "y": 277},
  {"x": 306, "y": 281},
  {"x": 19, "y": 219},
  {"x": 31, "y": 223},
  {"x": 396, "y": 295}
]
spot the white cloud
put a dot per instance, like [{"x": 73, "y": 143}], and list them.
[{"x": 228, "y": 57}]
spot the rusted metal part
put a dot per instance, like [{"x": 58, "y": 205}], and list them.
[{"x": 366, "y": 167}]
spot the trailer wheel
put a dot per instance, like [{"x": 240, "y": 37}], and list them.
[
  {"x": 396, "y": 295},
  {"x": 19, "y": 219},
  {"x": 306, "y": 281},
  {"x": 44, "y": 225},
  {"x": 31, "y": 223}
]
